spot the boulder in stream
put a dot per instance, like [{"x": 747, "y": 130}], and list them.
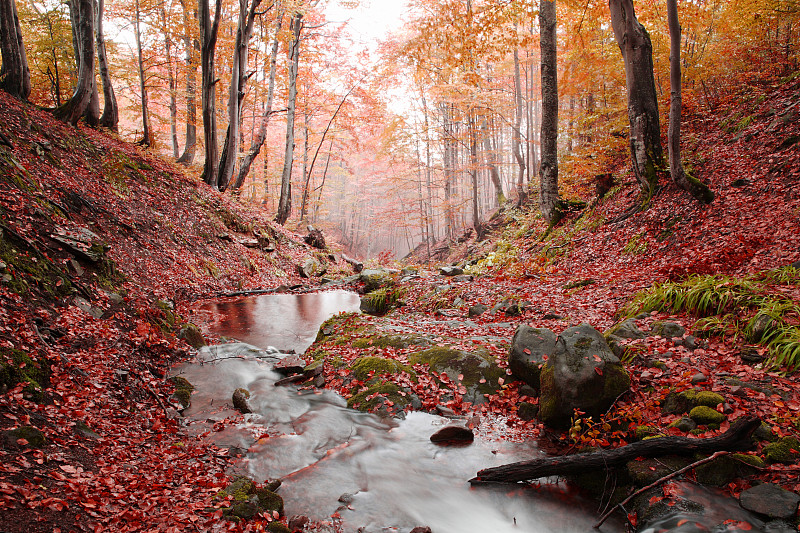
[
  {"x": 453, "y": 434},
  {"x": 581, "y": 373},
  {"x": 770, "y": 500},
  {"x": 240, "y": 400}
]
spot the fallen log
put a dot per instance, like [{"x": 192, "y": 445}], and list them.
[
  {"x": 736, "y": 438},
  {"x": 358, "y": 266}
]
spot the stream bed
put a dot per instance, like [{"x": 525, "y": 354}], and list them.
[{"x": 379, "y": 475}]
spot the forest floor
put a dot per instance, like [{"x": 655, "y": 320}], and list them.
[{"x": 104, "y": 247}]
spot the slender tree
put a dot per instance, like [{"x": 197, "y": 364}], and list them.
[
  {"x": 645, "y": 132},
  {"x": 258, "y": 140},
  {"x": 190, "y": 45},
  {"x": 147, "y": 131},
  {"x": 236, "y": 93},
  {"x": 285, "y": 201},
  {"x": 549, "y": 201},
  {"x": 15, "y": 77},
  {"x": 679, "y": 176},
  {"x": 208, "y": 31},
  {"x": 110, "y": 116}
]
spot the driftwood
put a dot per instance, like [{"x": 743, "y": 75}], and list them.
[{"x": 736, "y": 438}]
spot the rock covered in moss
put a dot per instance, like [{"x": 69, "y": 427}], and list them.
[
  {"x": 17, "y": 367},
  {"x": 527, "y": 411},
  {"x": 480, "y": 373},
  {"x": 684, "y": 423},
  {"x": 785, "y": 450},
  {"x": 668, "y": 330},
  {"x": 248, "y": 499},
  {"x": 704, "y": 415},
  {"x": 192, "y": 335},
  {"x": 183, "y": 391},
  {"x": 363, "y": 367},
  {"x": 278, "y": 527},
  {"x": 240, "y": 400},
  {"x": 582, "y": 373},
  {"x": 530, "y": 348},
  {"x": 26, "y": 437},
  {"x": 677, "y": 403}
]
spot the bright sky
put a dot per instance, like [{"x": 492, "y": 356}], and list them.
[{"x": 371, "y": 20}]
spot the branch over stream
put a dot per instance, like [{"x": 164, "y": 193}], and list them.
[{"x": 736, "y": 438}]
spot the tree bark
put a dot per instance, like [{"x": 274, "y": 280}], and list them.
[
  {"x": 191, "y": 91},
  {"x": 15, "y": 77},
  {"x": 227, "y": 162},
  {"x": 147, "y": 135},
  {"x": 208, "y": 33},
  {"x": 258, "y": 140},
  {"x": 736, "y": 438},
  {"x": 491, "y": 162},
  {"x": 73, "y": 110},
  {"x": 110, "y": 117},
  {"x": 285, "y": 202},
  {"x": 173, "y": 103},
  {"x": 516, "y": 134},
  {"x": 678, "y": 174},
  {"x": 645, "y": 132},
  {"x": 549, "y": 202}
]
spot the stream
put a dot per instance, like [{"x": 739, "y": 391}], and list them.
[{"x": 379, "y": 475}]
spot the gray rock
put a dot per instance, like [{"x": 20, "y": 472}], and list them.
[
  {"x": 477, "y": 310},
  {"x": 311, "y": 267},
  {"x": 582, "y": 373},
  {"x": 699, "y": 378},
  {"x": 668, "y": 330},
  {"x": 453, "y": 434},
  {"x": 530, "y": 347},
  {"x": 450, "y": 271},
  {"x": 463, "y": 278},
  {"x": 770, "y": 500},
  {"x": 627, "y": 329},
  {"x": 289, "y": 365}
]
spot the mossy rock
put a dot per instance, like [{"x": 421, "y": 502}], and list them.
[
  {"x": 240, "y": 399},
  {"x": 785, "y": 450},
  {"x": 381, "y": 301},
  {"x": 684, "y": 423},
  {"x": 764, "y": 433},
  {"x": 668, "y": 330},
  {"x": 405, "y": 340},
  {"x": 708, "y": 398},
  {"x": 26, "y": 266},
  {"x": 646, "y": 471},
  {"x": 642, "y": 432},
  {"x": 705, "y": 416},
  {"x": 278, "y": 527},
  {"x": 247, "y": 499},
  {"x": 363, "y": 366},
  {"x": 376, "y": 279},
  {"x": 718, "y": 472},
  {"x": 678, "y": 403},
  {"x": 183, "y": 390},
  {"x": 527, "y": 411},
  {"x": 192, "y": 335},
  {"x": 17, "y": 366},
  {"x": 374, "y": 399},
  {"x": 35, "y": 437},
  {"x": 337, "y": 325},
  {"x": 473, "y": 366}
]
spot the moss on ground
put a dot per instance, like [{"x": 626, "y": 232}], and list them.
[
  {"x": 364, "y": 366},
  {"x": 17, "y": 367}
]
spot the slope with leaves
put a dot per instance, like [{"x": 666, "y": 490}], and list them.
[{"x": 88, "y": 332}]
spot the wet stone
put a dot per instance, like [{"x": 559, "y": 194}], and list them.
[
  {"x": 292, "y": 364},
  {"x": 770, "y": 500},
  {"x": 453, "y": 435}
]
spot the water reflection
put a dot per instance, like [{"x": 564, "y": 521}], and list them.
[{"x": 285, "y": 321}]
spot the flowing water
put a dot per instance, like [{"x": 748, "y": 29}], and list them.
[{"x": 377, "y": 474}]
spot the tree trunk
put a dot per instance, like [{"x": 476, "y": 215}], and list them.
[
  {"x": 75, "y": 107},
  {"x": 191, "y": 91},
  {"x": 147, "y": 135},
  {"x": 516, "y": 135},
  {"x": 258, "y": 140},
  {"x": 306, "y": 170},
  {"x": 688, "y": 183},
  {"x": 227, "y": 163},
  {"x": 208, "y": 34},
  {"x": 285, "y": 202},
  {"x": 173, "y": 103},
  {"x": 736, "y": 438},
  {"x": 549, "y": 201},
  {"x": 15, "y": 77},
  {"x": 110, "y": 116},
  {"x": 645, "y": 134},
  {"x": 473, "y": 174},
  {"x": 491, "y": 162}
]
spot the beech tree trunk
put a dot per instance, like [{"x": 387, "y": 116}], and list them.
[
  {"x": 227, "y": 162},
  {"x": 491, "y": 162},
  {"x": 285, "y": 202},
  {"x": 516, "y": 135},
  {"x": 473, "y": 174},
  {"x": 678, "y": 174},
  {"x": 147, "y": 134},
  {"x": 258, "y": 140},
  {"x": 110, "y": 116},
  {"x": 191, "y": 91},
  {"x": 208, "y": 34},
  {"x": 72, "y": 111},
  {"x": 15, "y": 77},
  {"x": 173, "y": 102},
  {"x": 645, "y": 132},
  {"x": 549, "y": 202}
]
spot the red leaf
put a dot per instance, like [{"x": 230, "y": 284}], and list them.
[{"x": 598, "y": 370}]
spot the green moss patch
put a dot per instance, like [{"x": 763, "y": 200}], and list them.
[
  {"x": 183, "y": 390},
  {"x": 705, "y": 416},
  {"x": 363, "y": 367},
  {"x": 377, "y": 396},
  {"x": 17, "y": 367},
  {"x": 785, "y": 450}
]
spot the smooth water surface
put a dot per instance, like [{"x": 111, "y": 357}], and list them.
[{"x": 285, "y": 321}]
